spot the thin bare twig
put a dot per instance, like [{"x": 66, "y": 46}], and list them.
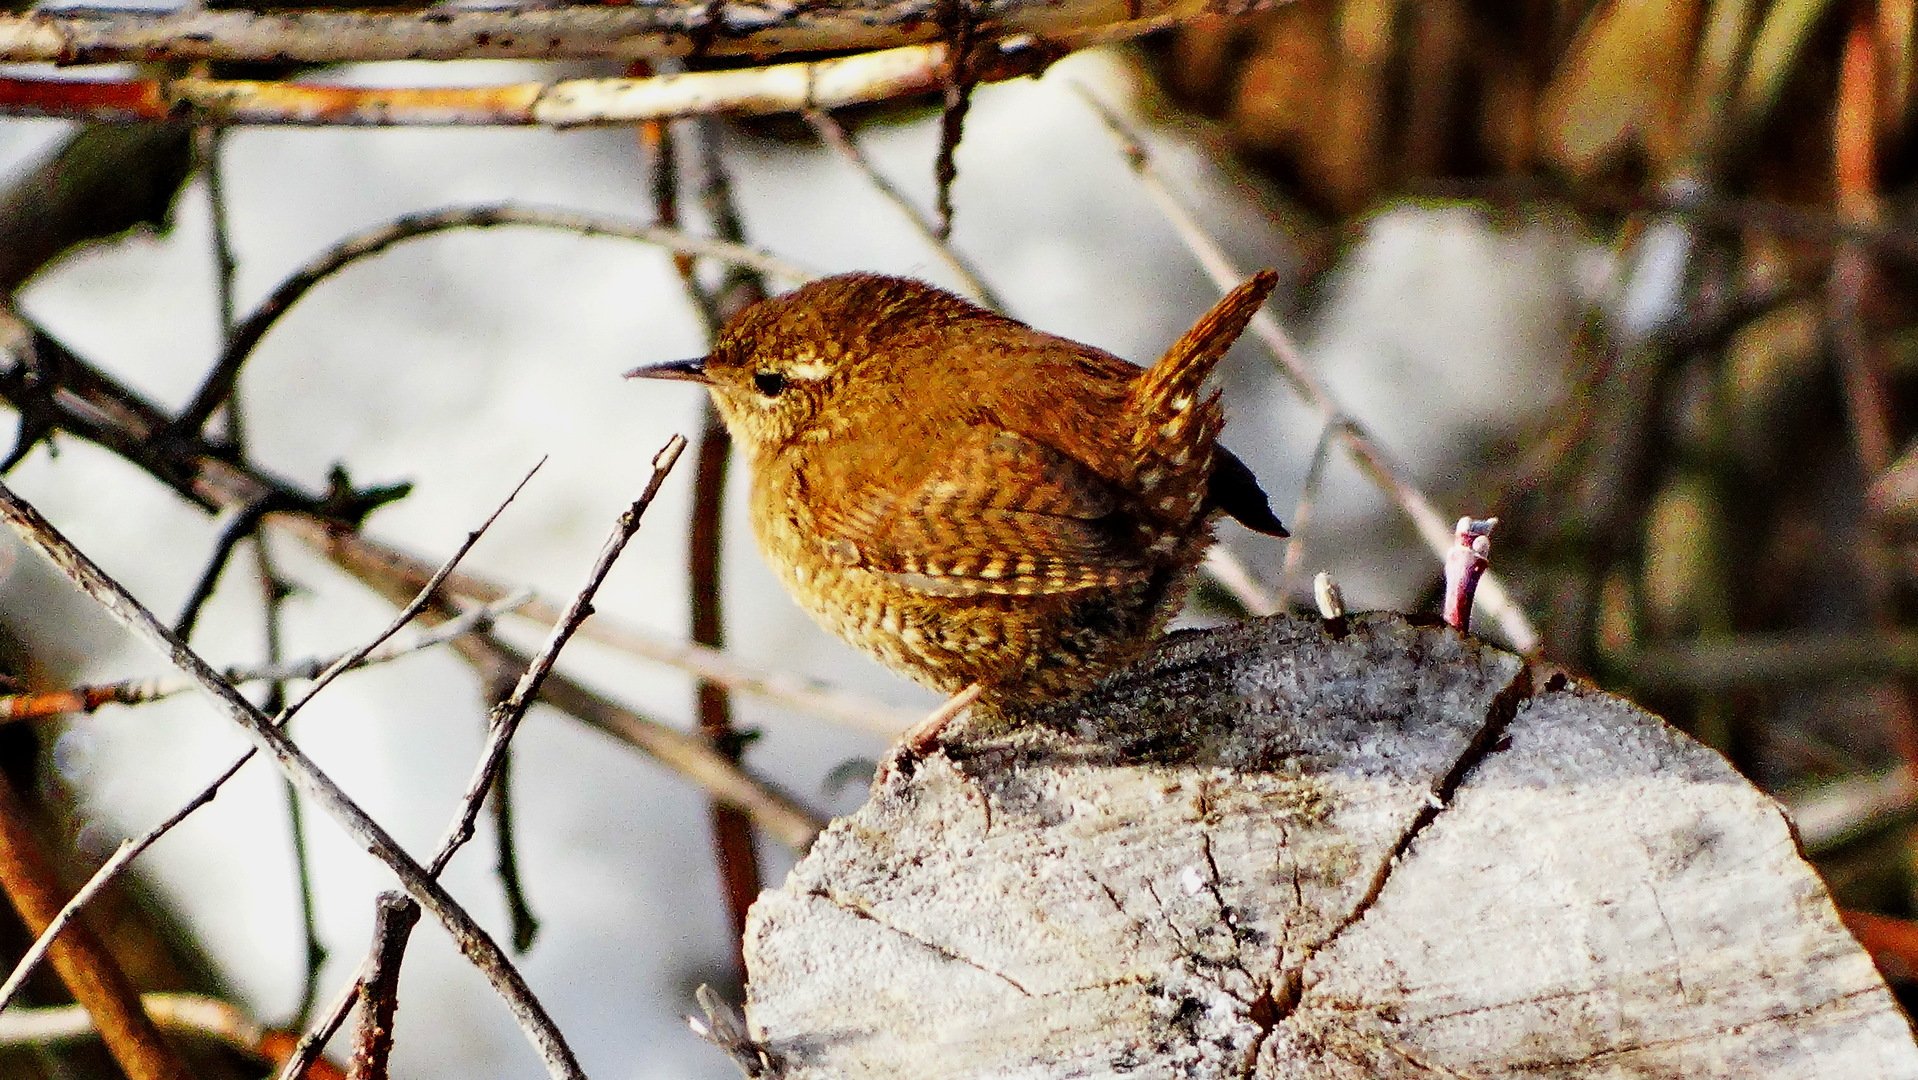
[
  {"x": 956, "y": 100},
  {"x": 208, "y": 140},
  {"x": 1226, "y": 568},
  {"x": 735, "y": 847},
  {"x": 131, "y": 849},
  {"x": 835, "y": 135},
  {"x": 795, "y": 692},
  {"x": 472, "y": 939},
  {"x": 182, "y": 1014},
  {"x": 1840, "y": 811},
  {"x": 85, "y": 699},
  {"x": 1432, "y": 525},
  {"x": 234, "y": 526},
  {"x": 519, "y": 910},
  {"x": 57, "y": 390},
  {"x": 395, "y": 574},
  {"x": 508, "y": 714},
  {"x": 1301, "y": 517},
  {"x": 218, "y": 384},
  {"x": 313, "y": 951},
  {"x": 502, "y": 723}
]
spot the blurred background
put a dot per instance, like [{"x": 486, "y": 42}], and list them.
[{"x": 1632, "y": 276}]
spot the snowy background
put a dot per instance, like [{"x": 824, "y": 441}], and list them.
[{"x": 456, "y": 362}]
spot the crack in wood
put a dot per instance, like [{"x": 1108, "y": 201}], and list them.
[
  {"x": 1171, "y": 924},
  {"x": 1499, "y": 713},
  {"x": 1517, "y": 1003},
  {"x": 1212, "y": 880},
  {"x": 1087, "y": 988},
  {"x": 859, "y": 912},
  {"x": 1266, "y": 1011},
  {"x": 1653, "y": 1044}
]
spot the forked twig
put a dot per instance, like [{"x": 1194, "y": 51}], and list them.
[
  {"x": 502, "y": 723},
  {"x": 507, "y": 714},
  {"x": 396, "y": 575},
  {"x": 132, "y": 849},
  {"x": 717, "y": 666},
  {"x": 472, "y": 940}
]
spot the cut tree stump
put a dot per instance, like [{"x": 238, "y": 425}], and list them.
[{"x": 1296, "y": 849}]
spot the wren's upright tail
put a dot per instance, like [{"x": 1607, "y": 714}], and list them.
[{"x": 1177, "y": 420}]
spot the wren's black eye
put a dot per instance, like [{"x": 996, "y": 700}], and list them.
[{"x": 769, "y": 383}]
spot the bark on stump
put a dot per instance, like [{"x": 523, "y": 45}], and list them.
[{"x": 1292, "y": 849}]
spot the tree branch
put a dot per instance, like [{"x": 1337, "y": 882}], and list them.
[
  {"x": 652, "y": 30},
  {"x": 81, "y": 958},
  {"x": 184, "y": 1014}
]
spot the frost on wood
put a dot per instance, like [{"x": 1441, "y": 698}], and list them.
[{"x": 1277, "y": 851}]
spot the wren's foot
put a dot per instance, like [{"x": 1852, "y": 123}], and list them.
[{"x": 922, "y": 738}]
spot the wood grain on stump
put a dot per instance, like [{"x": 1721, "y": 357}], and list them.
[{"x": 1282, "y": 849}]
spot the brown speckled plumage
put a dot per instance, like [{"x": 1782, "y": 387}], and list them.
[{"x": 969, "y": 499}]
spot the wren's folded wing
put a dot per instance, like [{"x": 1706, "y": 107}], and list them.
[{"x": 1001, "y": 514}]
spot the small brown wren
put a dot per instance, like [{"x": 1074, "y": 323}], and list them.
[{"x": 969, "y": 499}]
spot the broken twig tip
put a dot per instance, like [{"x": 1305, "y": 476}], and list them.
[
  {"x": 1465, "y": 564},
  {"x": 1326, "y": 593},
  {"x": 668, "y": 455}
]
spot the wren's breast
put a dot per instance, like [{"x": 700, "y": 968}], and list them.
[{"x": 868, "y": 610}]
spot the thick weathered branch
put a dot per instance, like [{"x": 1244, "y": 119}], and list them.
[
  {"x": 651, "y": 29},
  {"x": 86, "y": 966},
  {"x": 568, "y": 103}
]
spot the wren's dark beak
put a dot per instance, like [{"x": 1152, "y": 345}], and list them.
[{"x": 693, "y": 370}]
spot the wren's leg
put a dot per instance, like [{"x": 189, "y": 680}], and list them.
[{"x": 922, "y": 738}]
